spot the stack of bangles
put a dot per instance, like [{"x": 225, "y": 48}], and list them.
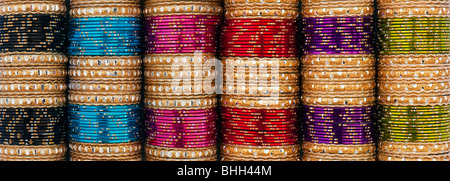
[
  {"x": 338, "y": 80},
  {"x": 179, "y": 70},
  {"x": 32, "y": 81},
  {"x": 261, "y": 88},
  {"x": 105, "y": 80},
  {"x": 413, "y": 80}
]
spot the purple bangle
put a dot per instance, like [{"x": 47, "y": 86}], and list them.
[
  {"x": 338, "y": 125},
  {"x": 337, "y": 137},
  {"x": 339, "y": 133},
  {"x": 309, "y": 34},
  {"x": 336, "y": 128},
  {"x": 339, "y": 44},
  {"x": 309, "y": 46},
  {"x": 338, "y": 142},
  {"x": 306, "y": 25},
  {"x": 309, "y": 52},
  {"x": 338, "y": 37},
  {"x": 307, "y": 137},
  {"x": 340, "y": 41}
]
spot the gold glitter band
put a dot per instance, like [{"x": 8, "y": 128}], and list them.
[
  {"x": 338, "y": 74},
  {"x": 415, "y": 74},
  {"x": 337, "y": 10},
  {"x": 183, "y": 8},
  {"x": 151, "y": 60},
  {"x": 112, "y": 10},
  {"x": 339, "y": 149},
  {"x": 32, "y": 87},
  {"x": 47, "y": 150},
  {"x": 41, "y": 7},
  {"x": 110, "y": 86},
  {"x": 259, "y": 102},
  {"x": 116, "y": 148},
  {"x": 414, "y": 60},
  {"x": 413, "y": 148},
  {"x": 77, "y": 156},
  {"x": 256, "y": 11},
  {"x": 334, "y": 61},
  {"x": 360, "y": 87},
  {"x": 106, "y": 61},
  {"x": 189, "y": 88},
  {"x": 179, "y": 153},
  {"x": 47, "y": 73},
  {"x": 308, "y": 156},
  {"x": 177, "y": 102},
  {"x": 431, "y": 87},
  {"x": 179, "y": 73},
  {"x": 32, "y": 59},
  {"x": 382, "y": 156},
  {"x": 103, "y": 98},
  {"x": 33, "y": 101},
  {"x": 413, "y": 100},
  {"x": 32, "y": 158},
  {"x": 259, "y": 62},
  {"x": 332, "y": 101},
  {"x": 255, "y": 89},
  {"x": 269, "y": 152},
  {"x": 397, "y": 9},
  {"x": 100, "y": 74}
]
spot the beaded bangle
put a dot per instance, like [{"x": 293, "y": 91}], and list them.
[
  {"x": 308, "y": 156},
  {"x": 335, "y": 61},
  {"x": 47, "y": 73},
  {"x": 413, "y": 100},
  {"x": 179, "y": 59},
  {"x": 260, "y": 151},
  {"x": 260, "y": 102},
  {"x": 184, "y": 8},
  {"x": 336, "y": 11},
  {"x": 131, "y": 147},
  {"x": 432, "y": 87},
  {"x": 15, "y": 88},
  {"x": 360, "y": 87},
  {"x": 339, "y": 149},
  {"x": 119, "y": 10},
  {"x": 7, "y": 59},
  {"x": 258, "y": 11},
  {"x": 352, "y": 100},
  {"x": 105, "y": 61},
  {"x": 50, "y": 150},
  {"x": 180, "y": 102},
  {"x": 413, "y": 148},
  {"x": 103, "y": 98},
  {"x": 110, "y": 86},
  {"x": 34, "y": 8},
  {"x": 153, "y": 87},
  {"x": 383, "y": 156},
  {"x": 413, "y": 60},
  {"x": 178, "y": 153},
  {"x": 33, "y": 101}
]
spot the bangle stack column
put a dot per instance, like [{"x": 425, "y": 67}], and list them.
[
  {"x": 413, "y": 80},
  {"x": 33, "y": 80},
  {"x": 180, "y": 98},
  {"x": 105, "y": 80},
  {"x": 338, "y": 80},
  {"x": 261, "y": 81}
]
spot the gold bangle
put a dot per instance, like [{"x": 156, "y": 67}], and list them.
[
  {"x": 177, "y": 102},
  {"x": 31, "y": 158},
  {"x": 151, "y": 60},
  {"x": 185, "y": 8},
  {"x": 261, "y": 77},
  {"x": 336, "y": 11},
  {"x": 413, "y": 100},
  {"x": 308, "y": 156},
  {"x": 176, "y": 73},
  {"x": 334, "y": 61},
  {"x": 162, "y": 88},
  {"x": 368, "y": 100},
  {"x": 153, "y": 158},
  {"x": 33, "y": 101},
  {"x": 32, "y": 87},
  {"x": 110, "y": 86},
  {"x": 255, "y": 89},
  {"x": 34, "y": 8},
  {"x": 415, "y": 10},
  {"x": 45, "y": 150},
  {"x": 414, "y": 60},
  {"x": 179, "y": 153},
  {"x": 107, "y": 61},
  {"x": 382, "y": 156},
  {"x": 77, "y": 73},
  {"x": 76, "y": 156},
  {"x": 116, "y": 10},
  {"x": 261, "y": 1},
  {"x": 339, "y": 74},
  {"x": 9, "y": 2},
  {"x": 360, "y": 87},
  {"x": 255, "y": 11},
  {"x": 414, "y": 73},
  {"x": 259, "y": 62},
  {"x": 234, "y": 101},
  {"x": 103, "y": 98},
  {"x": 339, "y": 149},
  {"x": 29, "y": 59},
  {"x": 413, "y": 147},
  {"x": 47, "y": 73},
  {"x": 260, "y": 151},
  {"x": 225, "y": 157},
  {"x": 100, "y": 2},
  {"x": 437, "y": 88},
  {"x": 131, "y": 147}
]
